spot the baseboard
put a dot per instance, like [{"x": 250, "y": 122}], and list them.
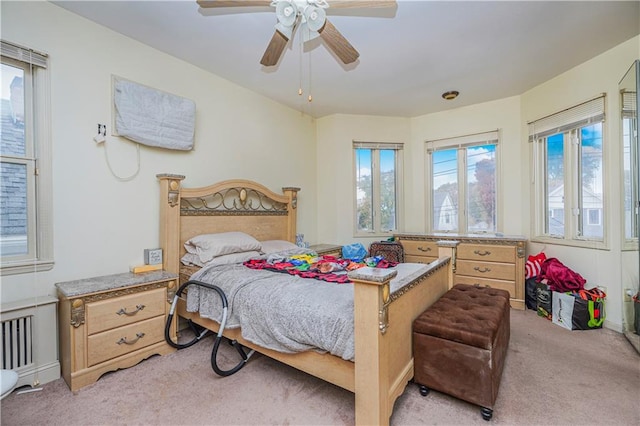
[
  {"x": 613, "y": 326},
  {"x": 39, "y": 375},
  {"x": 634, "y": 339}
]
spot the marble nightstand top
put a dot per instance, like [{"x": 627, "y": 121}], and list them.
[{"x": 111, "y": 282}]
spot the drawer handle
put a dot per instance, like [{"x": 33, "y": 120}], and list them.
[
  {"x": 424, "y": 249},
  {"x": 123, "y": 311},
  {"x": 482, "y": 253},
  {"x": 130, "y": 342},
  {"x": 483, "y": 270}
]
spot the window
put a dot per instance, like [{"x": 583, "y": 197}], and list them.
[
  {"x": 378, "y": 178},
  {"x": 630, "y": 168},
  {"x": 568, "y": 160},
  {"x": 26, "y": 243},
  {"x": 463, "y": 176}
]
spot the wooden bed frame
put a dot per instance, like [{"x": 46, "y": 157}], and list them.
[{"x": 383, "y": 320}]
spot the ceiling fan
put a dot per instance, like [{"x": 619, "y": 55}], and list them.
[{"x": 308, "y": 15}]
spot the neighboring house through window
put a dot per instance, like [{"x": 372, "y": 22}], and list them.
[
  {"x": 462, "y": 180},
  {"x": 26, "y": 243},
  {"x": 378, "y": 187},
  {"x": 568, "y": 175}
]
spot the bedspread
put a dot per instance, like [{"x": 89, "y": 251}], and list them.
[{"x": 283, "y": 312}]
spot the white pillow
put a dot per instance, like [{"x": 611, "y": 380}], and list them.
[
  {"x": 226, "y": 259},
  {"x": 208, "y": 246},
  {"x": 274, "y": 246}
]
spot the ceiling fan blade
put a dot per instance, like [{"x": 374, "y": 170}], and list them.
[
  {"x": 232, "y": 3},
  {"x": 338, "y": 44},
  {"x": 360, "y": 4},
  {"x": 274, "y": 49}
]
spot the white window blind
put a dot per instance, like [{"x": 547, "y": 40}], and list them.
[
  {"x": 23, "y": 54},
  {"x": 377, "y": 145},
  {"x": 484, "y": 138},
  {"x": 629, "y": 104},
  {"x": 586, "y": 113}
]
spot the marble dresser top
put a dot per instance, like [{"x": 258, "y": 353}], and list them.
[{"x": 456, "y": 236}]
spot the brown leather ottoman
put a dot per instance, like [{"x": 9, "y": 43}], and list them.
[{"x": 460, "y": 344}]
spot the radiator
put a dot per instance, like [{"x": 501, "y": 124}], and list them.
[
  {"x": 30, "y": 340},
  {"x": 17, "y": 343}
]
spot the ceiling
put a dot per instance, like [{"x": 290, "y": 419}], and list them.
[{"x": 409, "y": 55}]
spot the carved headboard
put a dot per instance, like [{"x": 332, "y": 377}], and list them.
[{"x": 230, "y": 205}]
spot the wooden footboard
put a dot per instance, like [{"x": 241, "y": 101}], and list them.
[
  {"x": 327, "y": 367},
  {"x": 383, "y": 321},
  {"x": 383, "y": 349},
  {"x": 384, "y": 356}
]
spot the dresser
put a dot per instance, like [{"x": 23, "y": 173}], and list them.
[
  {"x": 111, "y": 322},
  {"x": 484, "y": 260},
  {"x": 327, "y": 249}
]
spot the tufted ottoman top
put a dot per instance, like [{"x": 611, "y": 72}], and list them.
[{"x": 465, "y": 314}]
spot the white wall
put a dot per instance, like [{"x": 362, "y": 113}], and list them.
[
  {"x": 503, "y": 114},
  {"x": 102, "y": 225},
  {"x": 336, "y": 181},
  {"x": 510, "y": 115},
  {"x": 598, "y": 75}
]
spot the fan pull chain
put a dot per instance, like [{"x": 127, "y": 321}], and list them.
[
  {"x": 300, "y": 66},
  {"x": 310, "y": 97}
]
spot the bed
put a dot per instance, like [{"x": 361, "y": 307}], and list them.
[{"x": 384, "y": 306}]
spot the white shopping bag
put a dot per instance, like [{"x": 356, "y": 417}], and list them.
[{"x": 562, "y": 309}]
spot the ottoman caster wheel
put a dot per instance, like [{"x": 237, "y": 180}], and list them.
[
  {"x": 487, "y": 413},
  {"x": 424, "y": 391}
]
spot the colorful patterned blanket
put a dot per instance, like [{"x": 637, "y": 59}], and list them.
[{"x": 325, "y": 268}]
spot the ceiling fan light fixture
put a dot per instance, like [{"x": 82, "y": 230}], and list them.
[
  {"x": 450, "y": 95},
  {"x": 286, "y": 12},
  {"x": 310, "y": 15},
  {"x": 315, "y": 17}
]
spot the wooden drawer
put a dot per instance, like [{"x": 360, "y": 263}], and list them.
[
  {"x": 510, "y": 286},
  {"x": 335, "y": 253},
  {"x": 487, "y": 253},
  {"x": 103, "y": 315},
  {"x": 327, "y": 250},
  {"x": 419, "y": 248},
  {"x": 418, "y": 259},
  {"x": 496, "y": 261},
  {"x": 490, "y": 270},
  {"x": 111, "y": 344}
]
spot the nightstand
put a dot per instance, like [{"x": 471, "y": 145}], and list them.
[
  {"x": 111, "y": 322},
  {"x": 327, "y": 250}
]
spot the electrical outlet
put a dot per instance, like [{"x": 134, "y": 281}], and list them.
[{"x": 102, "y": 134}]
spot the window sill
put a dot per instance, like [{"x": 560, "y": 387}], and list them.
[
  {"x": 630, "y": 245},
  {"x": 596, "y": 245},
  {"x": 374, "y": 235},
  {"x": 16, "y": 268}
]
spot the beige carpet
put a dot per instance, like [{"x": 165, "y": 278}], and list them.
[{"x": 552, "y": 376}]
